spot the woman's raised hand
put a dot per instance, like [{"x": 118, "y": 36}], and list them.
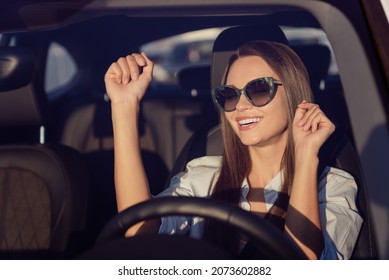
[
  {"x": 127, "y": 79},
  {"x": 311, "y": 127}
]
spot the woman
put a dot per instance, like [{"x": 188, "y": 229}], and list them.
[{"x": 272, "y": 135}]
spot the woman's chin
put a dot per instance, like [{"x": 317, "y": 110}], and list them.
[{"x": 250, "y": 141}]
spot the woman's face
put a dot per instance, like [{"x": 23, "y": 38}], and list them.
[{"x": 257, "y": 126}]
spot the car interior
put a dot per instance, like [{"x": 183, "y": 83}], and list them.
[{"x": 56, "y": 146}]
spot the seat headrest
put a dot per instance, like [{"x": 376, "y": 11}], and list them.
[
  {"x": 21, "y": 101},
  {"x": 317, "y": 59},
  {"x": 232, "y": 38}
]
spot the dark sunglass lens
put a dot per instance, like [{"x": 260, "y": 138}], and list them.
[
  {"x": 227, "y": 98},
  {"x": 259, "y": 92}
]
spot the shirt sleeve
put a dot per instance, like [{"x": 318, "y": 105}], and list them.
[
  {"x": 339, "y": 215},
  {"x": 196, "y": 181}
]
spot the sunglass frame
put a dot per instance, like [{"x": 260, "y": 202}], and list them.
[{"x": 273, "y": 83}]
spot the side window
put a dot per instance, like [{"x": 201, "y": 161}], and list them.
[{"x": 60, "y": 68}]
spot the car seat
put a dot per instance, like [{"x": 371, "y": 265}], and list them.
[
  {"x": 338, "y": 151},
  {"x": 43, "y": 188}
]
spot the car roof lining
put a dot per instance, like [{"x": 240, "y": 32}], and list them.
[{"x": 53, "y": 15}]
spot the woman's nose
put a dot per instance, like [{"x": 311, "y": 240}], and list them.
[{"x": 243, "y": 103}]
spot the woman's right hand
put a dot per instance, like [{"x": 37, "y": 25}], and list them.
[{"x": 127, "y": 79}]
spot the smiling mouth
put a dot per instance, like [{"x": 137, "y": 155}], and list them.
[{"x": 248, "y": 122}]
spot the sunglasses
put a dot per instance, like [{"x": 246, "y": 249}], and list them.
[{"x": 259, "y": 92}]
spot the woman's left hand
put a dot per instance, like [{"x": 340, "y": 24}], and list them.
[{"x": 311, "y": 127}]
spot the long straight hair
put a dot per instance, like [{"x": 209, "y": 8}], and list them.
[{"x": 236, "y": 161}]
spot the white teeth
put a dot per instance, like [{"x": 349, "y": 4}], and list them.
[{"x": 249, "y": 121}]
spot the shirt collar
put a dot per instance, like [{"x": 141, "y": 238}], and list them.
[{"x": 275, "y": 184}]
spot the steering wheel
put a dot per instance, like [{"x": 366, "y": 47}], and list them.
[{"x": 269, "y": 240}]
